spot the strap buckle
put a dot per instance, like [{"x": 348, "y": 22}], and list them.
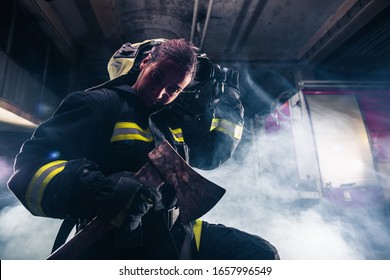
[{"x": 171, "y": 216}]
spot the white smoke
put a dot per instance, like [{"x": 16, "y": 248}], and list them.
[
  {"x": 23, "y": 236},
  {"x": 261, "y": 205},
  {"x": 266, "y": 208}
]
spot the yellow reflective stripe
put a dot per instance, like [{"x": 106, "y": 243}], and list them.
[
  {"x": 124, "y": 137},
  {"x": 227, "y": 128},
  {"x": 177, "y": 134},
  {"x": 38, "y": 183},
  {"x": 130, "y": 131},
  {"x": 197, "y": 232},
  {"x": 129, "y": 125}
]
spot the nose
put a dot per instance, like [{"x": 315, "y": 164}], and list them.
[{"x": 160, "y": 93}]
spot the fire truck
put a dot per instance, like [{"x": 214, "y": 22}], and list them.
[{"x": 328, "y": 140}]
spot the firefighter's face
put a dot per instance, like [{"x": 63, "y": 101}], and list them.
[{"x": 159, "y": 83}]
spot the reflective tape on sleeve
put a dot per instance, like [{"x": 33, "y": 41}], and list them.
[
  {"x": 38, "y": 184},
  {"x": 227, "y": 128},
  {"x": 131, "y": 131},
  {"x": 177, "y": 134}
]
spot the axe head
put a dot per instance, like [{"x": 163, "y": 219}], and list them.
[{"x": 195, "y": 194}]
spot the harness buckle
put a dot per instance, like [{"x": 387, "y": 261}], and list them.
[{"x": 171, "y": 216}]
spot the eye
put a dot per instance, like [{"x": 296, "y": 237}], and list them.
[{"x": 171, "y": 90}]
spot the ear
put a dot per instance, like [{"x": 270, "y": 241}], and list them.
[{"x": 145, "y": 61}]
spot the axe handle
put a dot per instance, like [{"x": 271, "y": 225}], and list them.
[{"x": 76, "y": 247}]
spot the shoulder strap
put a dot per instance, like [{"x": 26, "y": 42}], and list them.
[
  {"x": 114, "y": 104},
  {"x": 63, "y": 233}
]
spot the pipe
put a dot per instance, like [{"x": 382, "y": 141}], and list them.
[
  {"x": 206, "y": 23},
  {"x": 194, "y": 19}
]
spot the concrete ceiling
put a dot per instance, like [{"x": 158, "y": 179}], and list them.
[
  {"x": 228, "y": 31},
  {"x": 273, "y": 43}
]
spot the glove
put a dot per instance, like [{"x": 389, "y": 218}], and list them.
[
  {"x": 230, "y": 107},
  {"x": 81, "y": 190},
  {"x": 226, "y": 83},
  {"x": 130, "y": 201},
  {"x": 231, "y": 78}
]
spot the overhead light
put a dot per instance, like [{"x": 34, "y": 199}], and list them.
[
  {"x": 12, "y": 115},
  {"x": 12, "y": 118}
]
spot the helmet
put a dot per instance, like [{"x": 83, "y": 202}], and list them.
[
  {"x": 129, "y": 56},
  {"x": 195, "y": 99}
]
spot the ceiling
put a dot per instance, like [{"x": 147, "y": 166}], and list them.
[{"x": 272, "y": 43}]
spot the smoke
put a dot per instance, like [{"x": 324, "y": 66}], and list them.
[
  {"x": 5, "y": 173},
  {"x": 260, "y": 93},
  {"x": 260, "y": 199},
  {"x": 22, "y": 236},
  {"x": 261, "y": 83}
]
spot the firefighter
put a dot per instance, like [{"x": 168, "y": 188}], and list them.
[
  {"x": 81, "y": 161},
  {"x": 198, "y": 112}
]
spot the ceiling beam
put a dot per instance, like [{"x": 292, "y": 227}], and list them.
[
  {"x": 347, "y": 20},
  {"x": 109, "y": 20},
  {"x": 48, "y": 20}
]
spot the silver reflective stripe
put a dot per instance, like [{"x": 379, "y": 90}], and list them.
[
  {"x": 177, "y": 134},
  {"x": 38, "y": 184},
  {"x": 130, "y": 131},
  {"x": 227, "y": 128}
]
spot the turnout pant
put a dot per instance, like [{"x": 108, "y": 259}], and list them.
[
  {"x": 218, "y": 242},
  {"x": 202, "y": 241}
]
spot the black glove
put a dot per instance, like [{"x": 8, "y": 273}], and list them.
[
  {"x": 230, "y": 107},
  {"x": 130, "y": 200},
  {"x": 81, "y": 190},
  {"x": 231, "y": 78},
  {"x": 227, "y": 82}
]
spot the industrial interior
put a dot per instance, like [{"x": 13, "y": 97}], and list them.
[{"x": 316, "y": 72}]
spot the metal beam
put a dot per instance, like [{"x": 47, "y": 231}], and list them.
[
  {"x": 206, "y": 25},
  {"x": 348, "y": 19},
  {"x": 194, "y": 20},
  {"x": 48, "y": 20}
]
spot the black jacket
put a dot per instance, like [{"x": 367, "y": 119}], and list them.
[{"x": 106, "y": 131}]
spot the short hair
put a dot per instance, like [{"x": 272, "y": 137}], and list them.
[{"x": 180, "y": 51}]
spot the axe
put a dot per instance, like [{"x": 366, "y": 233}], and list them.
[{"x": 195, "y": 196}]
